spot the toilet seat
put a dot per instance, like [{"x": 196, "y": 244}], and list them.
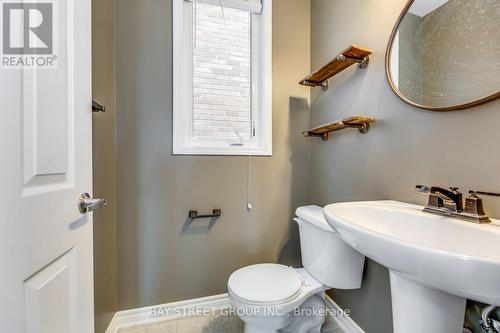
[
  {"x": 265, "y": 284},
  {"x": 252, "y": 286},
  {"x": 265, "y": 295}
]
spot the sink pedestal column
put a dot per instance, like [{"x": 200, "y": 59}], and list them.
[{"x": 417, "y": 309}]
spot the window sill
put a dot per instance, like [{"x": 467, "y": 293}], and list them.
[{"x": 223, "y": 151}]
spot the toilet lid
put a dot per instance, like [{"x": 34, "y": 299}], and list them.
[{"x": 265, "y": 283}]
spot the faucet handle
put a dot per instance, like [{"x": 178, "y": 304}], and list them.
[{"x": 474, "y": 205}]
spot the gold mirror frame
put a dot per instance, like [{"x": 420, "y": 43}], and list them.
[{"x": 406, "y": 100}]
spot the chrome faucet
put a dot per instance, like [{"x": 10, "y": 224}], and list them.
[{"x": 450, "y": 202}]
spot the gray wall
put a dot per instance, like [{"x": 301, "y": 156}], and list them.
[
  {"x": 159, "y": 258},
  {"x": 405, "y": 147},
  {"x": 104, "y": 163}
]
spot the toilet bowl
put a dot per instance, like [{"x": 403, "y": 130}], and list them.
[{"x": 273, "y": 297}]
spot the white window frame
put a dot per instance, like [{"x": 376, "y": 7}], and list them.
[{"x": 261, "y": 87}]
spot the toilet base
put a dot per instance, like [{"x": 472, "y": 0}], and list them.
[
  {"x": 305, "y": 320},
  {"x": 309, "y": 320},
  {"x": 250, "y": 328}
]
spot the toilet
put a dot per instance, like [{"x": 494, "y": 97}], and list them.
[{"x": 270, "y": 297}]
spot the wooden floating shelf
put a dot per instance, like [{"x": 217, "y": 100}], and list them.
[
  {"x": 323, "y": 131},
  {"x": 354, "y": 54}
]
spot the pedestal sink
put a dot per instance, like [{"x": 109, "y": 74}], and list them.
[{"x": 435, "y": 262}]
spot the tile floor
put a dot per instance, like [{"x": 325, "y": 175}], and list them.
[{"x": 216, "y": 323}]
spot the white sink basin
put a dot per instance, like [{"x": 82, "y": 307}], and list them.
[{"x": 435, "y": 262}]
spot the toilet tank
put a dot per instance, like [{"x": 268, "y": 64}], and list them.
[{"x": 324, "y": 254}]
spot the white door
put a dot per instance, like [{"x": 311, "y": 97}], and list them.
[{"x": 46, "y": 265}]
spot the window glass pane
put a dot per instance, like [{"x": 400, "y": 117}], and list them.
[{"x": 221, "y": 72}]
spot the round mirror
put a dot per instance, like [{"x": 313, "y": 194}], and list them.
[{"x": 444, "y": 55}]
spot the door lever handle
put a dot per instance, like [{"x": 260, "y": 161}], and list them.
[
  {"x": 97, "y": 107},
  {"x": 86, "y": 204}
]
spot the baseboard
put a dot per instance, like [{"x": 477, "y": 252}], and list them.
[
  {"x": 113, "y": 325},
  {"x": 345, "y": 323},
  {"x": 143, "y": 316}
]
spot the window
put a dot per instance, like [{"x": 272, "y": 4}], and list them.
[{"x": 222, "y": 77}]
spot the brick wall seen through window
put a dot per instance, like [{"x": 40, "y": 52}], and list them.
[{"x": 221, "y": 73}]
